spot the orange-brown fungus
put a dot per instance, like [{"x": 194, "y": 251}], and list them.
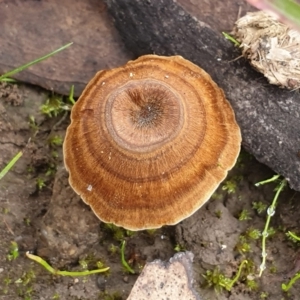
[{"x": 149, "y": 142}]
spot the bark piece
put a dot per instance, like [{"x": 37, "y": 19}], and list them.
[{"x": 219, "y": 15}]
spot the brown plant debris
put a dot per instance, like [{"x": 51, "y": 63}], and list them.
[{"x": 272, "y": 48}]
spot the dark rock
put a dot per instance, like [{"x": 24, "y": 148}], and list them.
[{"x": 31, "y": 29}]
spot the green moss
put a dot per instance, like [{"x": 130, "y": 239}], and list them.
[
  {"x": 253, "y": 233},
  {"x": 259, "y": 206},
  {"x": 119, "y": 233},
  {"x": 244, "y": 215},
  {"x": 110, "y": 296},
  {"x": 217, "y": 280},
  {"x": 13, "y": 251}
]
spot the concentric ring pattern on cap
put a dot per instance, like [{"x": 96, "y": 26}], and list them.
[{"x": 149, "y": 142}]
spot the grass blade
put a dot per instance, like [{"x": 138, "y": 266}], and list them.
[
  {"x": 10, "y": 164},
  {"x": 21, "y": 68}
]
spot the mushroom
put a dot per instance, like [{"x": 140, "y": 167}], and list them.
[{"x": 150, "y": 142}]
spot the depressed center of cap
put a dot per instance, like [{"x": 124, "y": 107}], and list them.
[{"x": 143, "y": 115}]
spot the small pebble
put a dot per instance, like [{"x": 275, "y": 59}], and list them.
[{"x": 101, "y": 283}]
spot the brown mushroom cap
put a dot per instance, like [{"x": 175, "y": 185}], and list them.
[{"x": 149, "y": 142}]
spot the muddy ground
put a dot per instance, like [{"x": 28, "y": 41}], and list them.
[{"x": 40, "y": 213}]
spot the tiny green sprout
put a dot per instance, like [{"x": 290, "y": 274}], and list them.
[
  {"x": 7, "y": 281},
  {"x": 124, "y": 262},
  {"x": 179, "y": 248},
  {"x": 54, "y": 154},
  {"x": 53, "y": 106},
  {"x": 119, "y": 233},
  {"x": 243, "y": 245},
  {"x": 40, "y": 183},
  {"x": 252, "y": 285},
  {"x": 71, "y": 95},
  {"x": 26, "y": 292},
  {"x": 273, "y": 269},
  {"x": 63, "y": 273},
  {"x": 51, "y": 170},
  {"x": 216, "y": 196},
  {"x": 218, "y": 214},
  {"x": 27, "y": 221},
  {"x": 32, "y": 123},
  {"x": 253, "y": 234},
  {"x": 27, "y": 297},
  {"x": 151, "y": 231},
  {"x": 90, "y": 261},
  {"x": 231, "y": 39},
  {"x": 130, "y": 233},
  {"x": 229, "y": 186},
  {"x": 293, "y": 237},
  {"x": 259, "y": 206},
  {"x": 12, "y": 162},
  {"x": 215, "y": 279},
  {"x": 113, "y": 249},
  {"x": 271, "y": 231},
  {"x": 113, "y": 296},
  {"x": 249, "y": 268},
  {"x": 83, "y": 263},
  {"x": 26, "y": 278},
  {"x": 5, "y": 210},
  {"x": 286, "y": 287},
  {"x": 55, "y": 140},
  {"x": 263, "y": 295},
  {"x": 56, "y": 296},
  {"x": 13, "y": 251},
  {"x": 219, "y": 281},
  {"x": 272, "y": 179},
  {"x": 244, "y": 215},
  {"x": 30, "y": 169},
  {"x": 100, "y": 264},
  {"x": 7, "y": 75}
]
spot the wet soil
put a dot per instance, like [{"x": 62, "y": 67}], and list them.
[{"x": 40, "y": 212}]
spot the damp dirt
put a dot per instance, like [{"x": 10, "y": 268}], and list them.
[{"x": 41, "y": 214}]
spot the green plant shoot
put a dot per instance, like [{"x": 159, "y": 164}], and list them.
[
  {"x": 10, "y": 164},
  {"x": 286, "y": 287},
  {"x": 124, "y": 262},
  {"x": 63, "y": 273},
  {"x": 293, "y": 236},
  {"x": 270, "y": 213},
  {"x": 231, "y": 39},
  {"x": 23, "y": 67},
  {"x": 219, "y": 281}
]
